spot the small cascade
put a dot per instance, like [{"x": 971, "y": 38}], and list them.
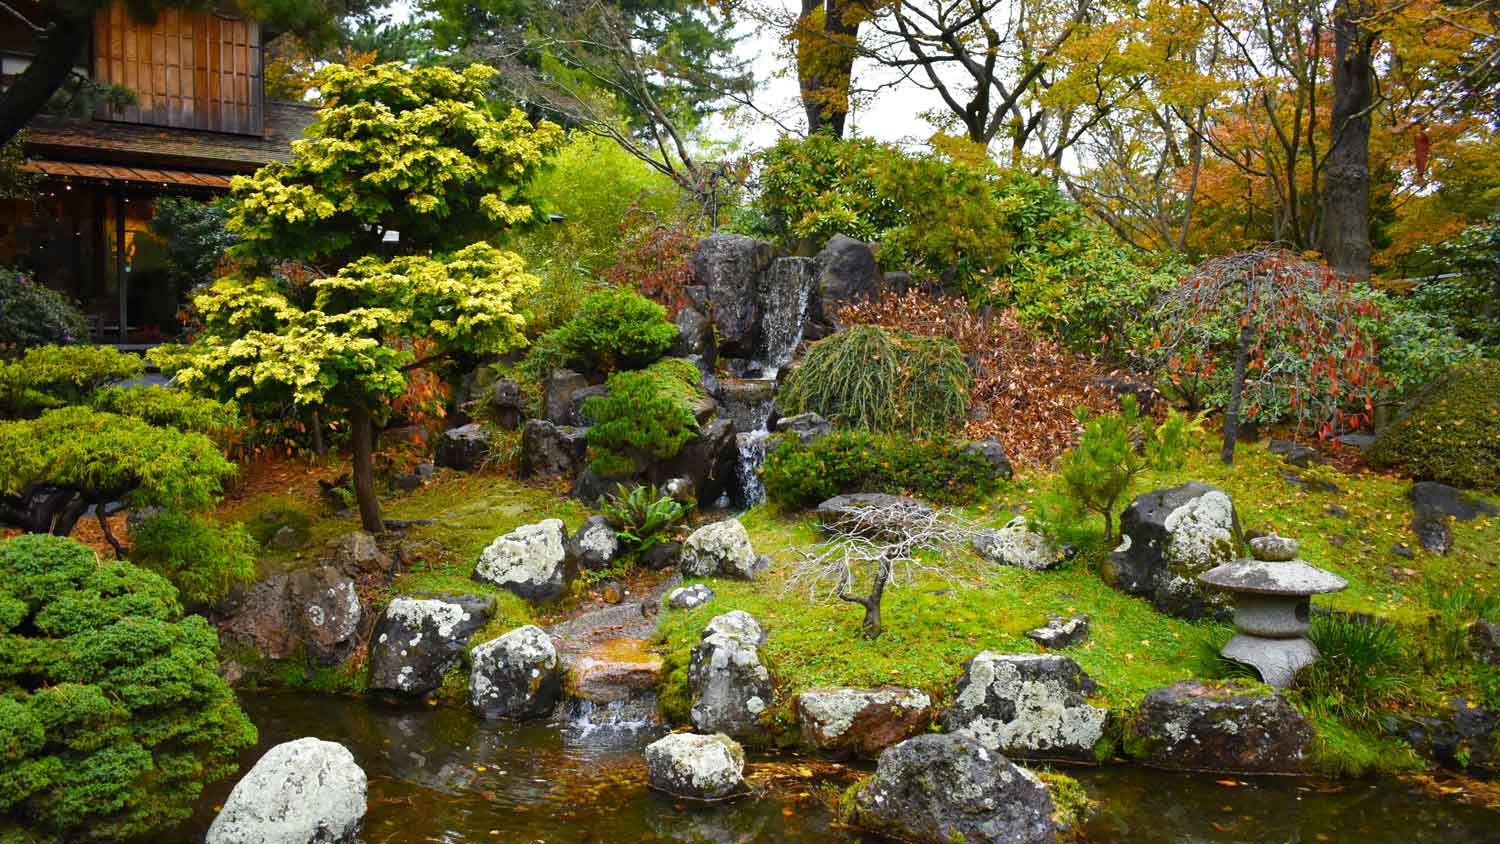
[
  {"x": 610, "y": 692},
  {"x": 750, "y": 490},
  {"x": 747, "y": 402},
  {"x": 625, "y": 721},
  {"x": 785, "y": 291}
]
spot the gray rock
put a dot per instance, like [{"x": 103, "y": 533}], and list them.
[
  {"x": 1119, "y": 387},
  {"x": 406, "y": 481},
  {"x": 1016, "y": 545},
  {"x": 807, "y": 426},
  {"x": 728, "y": 266},
  {"x": 592, "y": 488},
  {"x": 993, "y": 452},
  {"x": 1222, "y": 727},
  {"x": 719, "y": 549},
  {"x": 746, "y": 402},
  {"x": 326, "y": 610},
  {"x": 1363, "y": 442},
  {"x": 729, "y": 685},
  {"x": 847, "y": 273},
  {"x": 289, "y": 538},
  {"x": 1027, "y": 705},
  {"x": 689, "y": 597},
  {"x": 419, "y": 640},
  {"x": 707, "y": 461},
  {"x": 1274, "y": 548},
  {"x": 784, "y": 292},
  {"x": 596, "y": 543},
  {"x": 1484, "y": 641},
  {"x": 1060, "y": 632},
  {"x": 576, "y": 415},
  {"x": 1294, "y": 453},
  {"x": 662, "y": 555},
  {"x": 861, "y": 722},
  {"x": 507, "y": 405},
  {"x": 845, "y": 508},
  {"x": 940, "y": 789},
  {"x": 464, "y": 448},
  {"x": 694, "y": 334},
  {"x": 697, "y": 767},
  {"x": 515, "y": 676},
  {"x": 358, "y": 554},
  {"x": 1171, "y": 536},
  {"x": 550, "y": 451},
  {"x": 306, "y": 791},
  {"x": 1435, "y": 505},
  {"x": 530, "y": 561},
  {"x": 557, "y": 395},
  {"x": 1460, "y": 736},
  {"x": 680, "y": 490}
]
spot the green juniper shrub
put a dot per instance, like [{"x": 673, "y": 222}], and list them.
[
  {"x": 877, "y": 379},
  {"x": 32, "y": 314},
  {"x": 112, "y": 712},
  {"x": 616, "y": 328},
  {"x": 1111, "y": 452},
  {"x": 642, "y": 515},
  {"x": 801, "y": 474},
  {"x": 52, "y": 376},
  {"x": 203, "y": 558},
  {"x": 167, "y": 407},
  {"x": 1449, "y": 433},
  {"x": 647, "y": 415}
]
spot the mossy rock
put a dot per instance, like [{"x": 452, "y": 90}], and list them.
[{"x": 1451, "y": 433}]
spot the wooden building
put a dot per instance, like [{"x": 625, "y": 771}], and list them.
[{"x": 199, "y": 118}]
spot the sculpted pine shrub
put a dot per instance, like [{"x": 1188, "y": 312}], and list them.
[
  {"x": 873, "y": 379},
  {"x": 616, "y": 328},
  {"x": 801, "y": 475},
  {"x": 204, "y": 559},
  {"x": 112, "y": 713},
  {"x": 648, "y": 415},
  {"x": 1449, "y": 434},
  {"x": 52, "y": 376}
]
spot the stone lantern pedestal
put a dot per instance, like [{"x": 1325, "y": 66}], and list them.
[{"x": 1272, "y": 607}]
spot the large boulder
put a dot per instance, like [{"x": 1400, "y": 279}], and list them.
[
  {"x": 1169, "y": 537},
  {"x": 1028, "y": 705},
  {"x": 861, "y": 722},
  {"x": 464, "y": 448},
  {"x": 847, "y": 273},
  {"x": 327, "y": 608},
  {"x": 694, "y": 334},
  {"x": 728, "y": 266},
  {"x": 707, "y": 461},
  {"x": 530, "y": 561},
  {"x": 1016, "y": 545},
  {"x": 515, "y": 676},
  {"x": 746, "y": 402},
  {"x": 507, "y": 405},
  {"x": 551, "y": 451},
  {"x": 557, "y": 395},
  {"x": 595, "y": 545},
  {"x": 1435, "y": 506},
  {"x": 696, "y": 767},
  {"x": 1222, "y": 727},
  {"x": 722, "y": 549},
  {"x": 941, "y": 789},
  {"x": 418, "y": 640},
  {"x": 306, "y": 791},
  {"x": 730, "y": 687}
]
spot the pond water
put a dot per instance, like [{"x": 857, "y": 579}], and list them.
[{"x": 440, "y": 775}]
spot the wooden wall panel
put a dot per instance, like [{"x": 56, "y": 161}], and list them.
[{"x": 190, "y": 69}]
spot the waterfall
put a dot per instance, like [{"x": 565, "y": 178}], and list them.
[
  {"x": 623, "y": 721},
  {"x": 752, "y": 455},
  {"x": 785, "y": 291}
]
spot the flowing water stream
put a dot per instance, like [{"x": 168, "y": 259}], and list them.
[{"x": 441, "y": 775}]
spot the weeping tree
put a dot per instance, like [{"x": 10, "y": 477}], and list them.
[
  {"x": 874, "y": 547},
  {"x": 1273, "y": 335},
  {"x": 388, "y": 209}
]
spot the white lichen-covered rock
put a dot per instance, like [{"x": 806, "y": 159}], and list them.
[
  {"x": 530, "y": 561},
  {"x": 689, "y": 597},
  {"x": 1016, "y": 545},
  {"x": 1027, "y": 705},
  {"x": 730, "y": 687},
  {"x": 596, "y": 543},
  {"x": 941, "y": 789},
  {"x": 1168, "y": 538},
  {"x": 418, "y": 640},
  {"x": 307, "y": 791},
  {"x": 861, "y": 721},
  {"x": 722, "y": 548},
  {"x": 1232, "y": 727},
  {"x": 516, "y": 676},
  {"x": 696, "y": 767}
]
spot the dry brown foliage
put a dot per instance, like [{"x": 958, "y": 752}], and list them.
[{"x": 1026, "y": 385}]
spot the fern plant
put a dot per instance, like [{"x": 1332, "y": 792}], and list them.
[{"x": 643, "y": 515}]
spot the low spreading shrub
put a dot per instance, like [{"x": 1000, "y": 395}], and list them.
[
  {"x": 167, "y": 407},
  {"x": 52, "y": 376},
  {"x": 32, "y": 314},
  {"x": 204, "y": 559},
  {"x": 615, "y": 329},
  {"x": 802, "y": 475},
  {"x": 874, "y": 379},
  {"x": 647, "y": 416},
  {"x": 1449, "y": 434},
  {"x": 112, "y": 712}
]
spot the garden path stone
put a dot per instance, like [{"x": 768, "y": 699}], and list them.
[{"x": 1434, "y": 505}]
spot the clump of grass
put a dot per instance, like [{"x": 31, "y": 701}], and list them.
[{"x": 1366, "y": 667}]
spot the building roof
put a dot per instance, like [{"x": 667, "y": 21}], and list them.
[
  {"x": 117, "y": 173},
  {"x": 73, "y": 139}
]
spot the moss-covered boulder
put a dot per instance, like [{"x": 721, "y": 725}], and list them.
[
  {"x": 1451, "y": 433},
  {"x": 1235, "y": 727},
  {"x": 1168, "y": 538}
]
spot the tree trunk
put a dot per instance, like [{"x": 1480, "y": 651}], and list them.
[
  {"x": 1346, "y": 181},
  {"x": 1237, "y": 388},
  {"x": 362, "y": 433},
  {"x": 825, "y": 62},
  {"x": 871, "y": 626},
  {"x": 58, "y": 49}
]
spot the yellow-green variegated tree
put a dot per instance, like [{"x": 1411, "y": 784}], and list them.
[{"x": 392, "y": 204}]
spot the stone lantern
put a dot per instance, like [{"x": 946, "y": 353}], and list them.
[{"x": 1272, "y": 607}]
